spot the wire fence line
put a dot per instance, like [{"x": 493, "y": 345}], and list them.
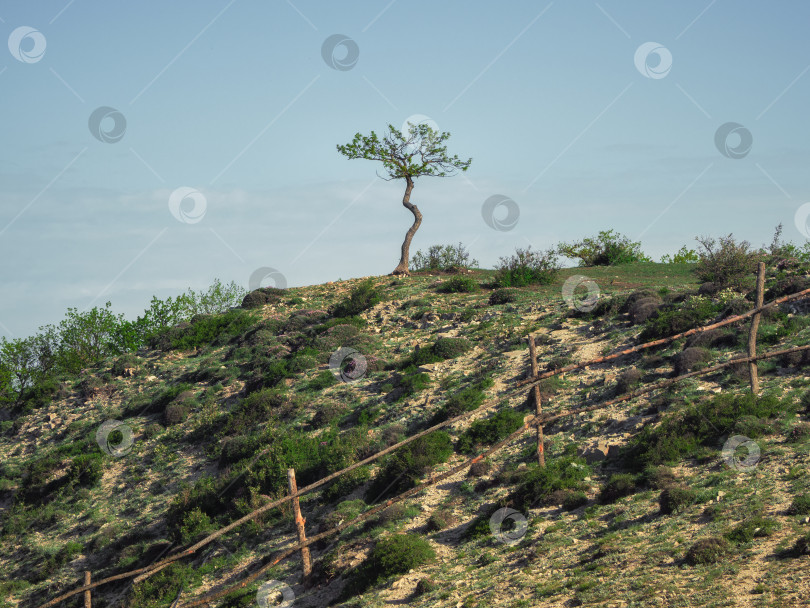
[
  {"x": 141, "y": 574},
  {"x": 529, "y": 422}
]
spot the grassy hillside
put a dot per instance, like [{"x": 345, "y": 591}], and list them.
[{"x": 637, "y": 506}]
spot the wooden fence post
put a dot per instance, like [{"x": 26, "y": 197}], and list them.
[
  {"x": 87, "y": 593},
  {"x": 541, "y": 456},
  {"x": 299, "y": 522},
  {"x": 752, "y": 333}
]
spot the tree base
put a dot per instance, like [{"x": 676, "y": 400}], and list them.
[{"x": 399, "y": 271}]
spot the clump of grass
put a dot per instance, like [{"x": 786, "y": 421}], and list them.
[
  {"x": 465, "y": 400},
  {"x": 536, "y": 484},
  {"x": 442, "y": 349}
]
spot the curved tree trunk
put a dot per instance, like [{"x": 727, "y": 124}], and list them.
[{"x": 402, "y": 267}]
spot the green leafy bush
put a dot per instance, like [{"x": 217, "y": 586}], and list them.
[
  {"x": 676, "y": 498},
  {"x": 800, "y": 505},
  {"x": 347, "y": 483},
  {"x": 725, "y": 262},
  {"x": 396, "y": 554},
  {"x": 608, "y": 248},
  {"x": 684, "y": 256},
  {"x": 536, "y": 484},
  {"x": 438, "y": 257},
  {"x": 487, "y": 432},
  {"x": 86, "y": 470},
  {"x": 619, "y": 485},
  {"x": 526, "y": 267},
  {"x": 460, "y": 285},
  {"x": 323, "y": 380},
  {"x": 363, "y": 296},
  {"x": 679, "y": 317},
  {"x": 442, "y": 349},
  {"x": 465, "y": 400},
  {"x": 401, "y": 470},
  {"x": 412, "y": 381},
  {"x": 684, "y": 433},
  {"x": 210, "y": 330}
]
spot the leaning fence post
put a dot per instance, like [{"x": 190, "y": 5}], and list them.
[
  {"x": 752, "y": 333},
  {"x": 87, "y": 593},
  {"x": 299, "y": 522},
  {"x": 541, "y": 456}
]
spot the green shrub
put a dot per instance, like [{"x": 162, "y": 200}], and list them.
[
  {"x": 684, "y": 256},
  {"x": 301, "y": 363},
  {"x": 460, "y": 285},
  {"x": 755, "y": 527},
  {"x": 800, "y": 505},
  {"x": 487, "y": 432},
  {"x": 676, "y": 318},
  {"x": 707, "y": 551},
  {"x": 347, "y": 483},
  {"x": 412, "y": 381},
  {"x": 438, "y": 257},
  {"x": 573, "y": 499},
  {"x": 503, "y": 296},
  {"x": 689, "y": 359},
  {"x": 465, "y": 400},
  {"x": 619, "y": 485},
  {"x": 323, "y": 380},
  {"x": 526, "y": 267},
  {"x": 86, "y": 470},
  {"x": 125, "y": 362},
  {"x": 725, "y": 262},
  {"x": 401, "y": 470},
  {"x": 175, "y": 413},
  {"x": 254, "y": 411},
  {"x": 262, "y": 296},
  {"x": 802, "y": 545},
  {"x": 682, "y": 434},
  {"x": 207, "y": 330},
  {"x": 676, "y": 499},
  {"x": 608, "y": 248},
  {"x": 196, "y": 525},
  {"x": 442, "y": 349},
  {"x": 396, "y": 554},
  {"x": 536, "y": 484},
  {"x": 363, "y": 296}
]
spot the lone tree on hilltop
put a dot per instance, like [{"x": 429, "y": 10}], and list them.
[{"x": 420, "y": 153}]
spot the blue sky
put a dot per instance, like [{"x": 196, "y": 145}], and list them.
[{"x": 235, "y": 100}]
